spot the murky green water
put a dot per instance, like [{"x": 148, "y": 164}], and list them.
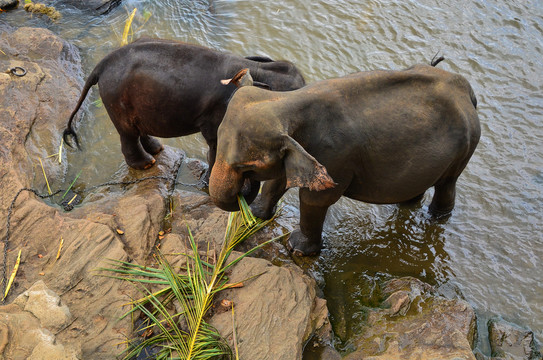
[{"x": 490, "y": 250}]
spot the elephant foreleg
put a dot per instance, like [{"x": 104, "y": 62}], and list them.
[
  {"x": 211, "y": 140},
  {"x": 272, "y": 191},
  {"x": 307, "y": 240}
]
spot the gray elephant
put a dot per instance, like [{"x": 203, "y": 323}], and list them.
[
  {"x": 167, "y": 88},
  {"x": 380, "y": 137}
]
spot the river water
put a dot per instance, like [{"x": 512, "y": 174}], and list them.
[{"x": 490, "y": 250}]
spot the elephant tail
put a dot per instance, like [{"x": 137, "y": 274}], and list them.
[
  {"x": 69, "y": 131},
  {"x": 436, "y": 60},
  {"x": 473, "y": 97}
]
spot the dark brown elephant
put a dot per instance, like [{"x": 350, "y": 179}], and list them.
[
  {"x": 167, "y": 88},
  {"x": 380, "y": 137}
]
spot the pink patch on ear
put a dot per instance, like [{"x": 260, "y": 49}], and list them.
[
  {"x": 294, "y": 183},
  {"x": 236, "y": 79},
  {"x": 322, "y": 182}
]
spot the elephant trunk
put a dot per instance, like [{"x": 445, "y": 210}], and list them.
[{"x": 225, "y": 184}]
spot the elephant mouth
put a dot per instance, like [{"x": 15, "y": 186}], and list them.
[
  {"x": 226, "y": 184},
  {"x": 249, "y": 190}
]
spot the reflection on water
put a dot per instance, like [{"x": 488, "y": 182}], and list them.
[
  {"x": 490, "y": 250},
  {"x": 380, "y": 243}
]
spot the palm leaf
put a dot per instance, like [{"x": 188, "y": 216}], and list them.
[{"x": 193, "y": 290}]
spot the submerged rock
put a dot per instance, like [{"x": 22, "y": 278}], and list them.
[
  {"x": 98, "y": 6},
  {"x": 511, "y": 342},
  {"x": 8, "y": 4},
  {"x": 416, "y": 324}
]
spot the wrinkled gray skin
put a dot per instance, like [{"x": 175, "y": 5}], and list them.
[
  {"x": 380, "y": 137},
  {"x": 167, "y": 88}
]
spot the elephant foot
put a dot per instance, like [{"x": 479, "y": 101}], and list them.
[
  {"x": 439, "y": 214},
  {"x": 300, "y": 245},
  {"x": 142, "y": 165},
  {"x": 148, "y": 166}
]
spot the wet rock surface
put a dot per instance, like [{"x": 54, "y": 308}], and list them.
[
  {"x": 97, "y": 6},
  {"x": 511, "y": 342},
  {"x": 415, "y": 323},
  {"x": 8, "y": 4}
]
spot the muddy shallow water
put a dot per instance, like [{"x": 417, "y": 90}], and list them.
[{"x": 489, "y": 251}]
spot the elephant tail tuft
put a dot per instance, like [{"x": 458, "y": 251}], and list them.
[{"x": 66, "y": 137}]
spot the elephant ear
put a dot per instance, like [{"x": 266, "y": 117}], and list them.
[
  {"x": 302, "y": 169},
  {"x": 242, "y": 78}
]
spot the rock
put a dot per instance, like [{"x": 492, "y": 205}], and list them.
[
  {"x": 274, "y": 312},
  {"x": 34, "y": 109},
  {"x": 98, "y": 6},
  {"x": 197, "y": 212},
  {"x": 511, "y": 342},
  {"x": 51, "y": 350},
  {"x": 277, "y": 311},
  {"x": 27, "y": 331},
  {"x": 8, "y": 4},
  {"x": 417, "y": 324},
  {"x": 46, "y": 305}
]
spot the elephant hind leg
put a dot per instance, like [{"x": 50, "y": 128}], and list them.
[
  {"x": 151, "y": 145},
  {"x": 412, "y": 202},
  {"x": 134, "y": 153},
  {"x": 443, "y": 201}
]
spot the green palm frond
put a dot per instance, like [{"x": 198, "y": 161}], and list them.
[{"x": 186, "y": 334}]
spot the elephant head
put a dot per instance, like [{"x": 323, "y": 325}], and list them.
[{"x": 251, "y": 150}]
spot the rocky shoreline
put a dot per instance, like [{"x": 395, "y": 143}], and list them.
[{"x": 58, "y": 308}]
